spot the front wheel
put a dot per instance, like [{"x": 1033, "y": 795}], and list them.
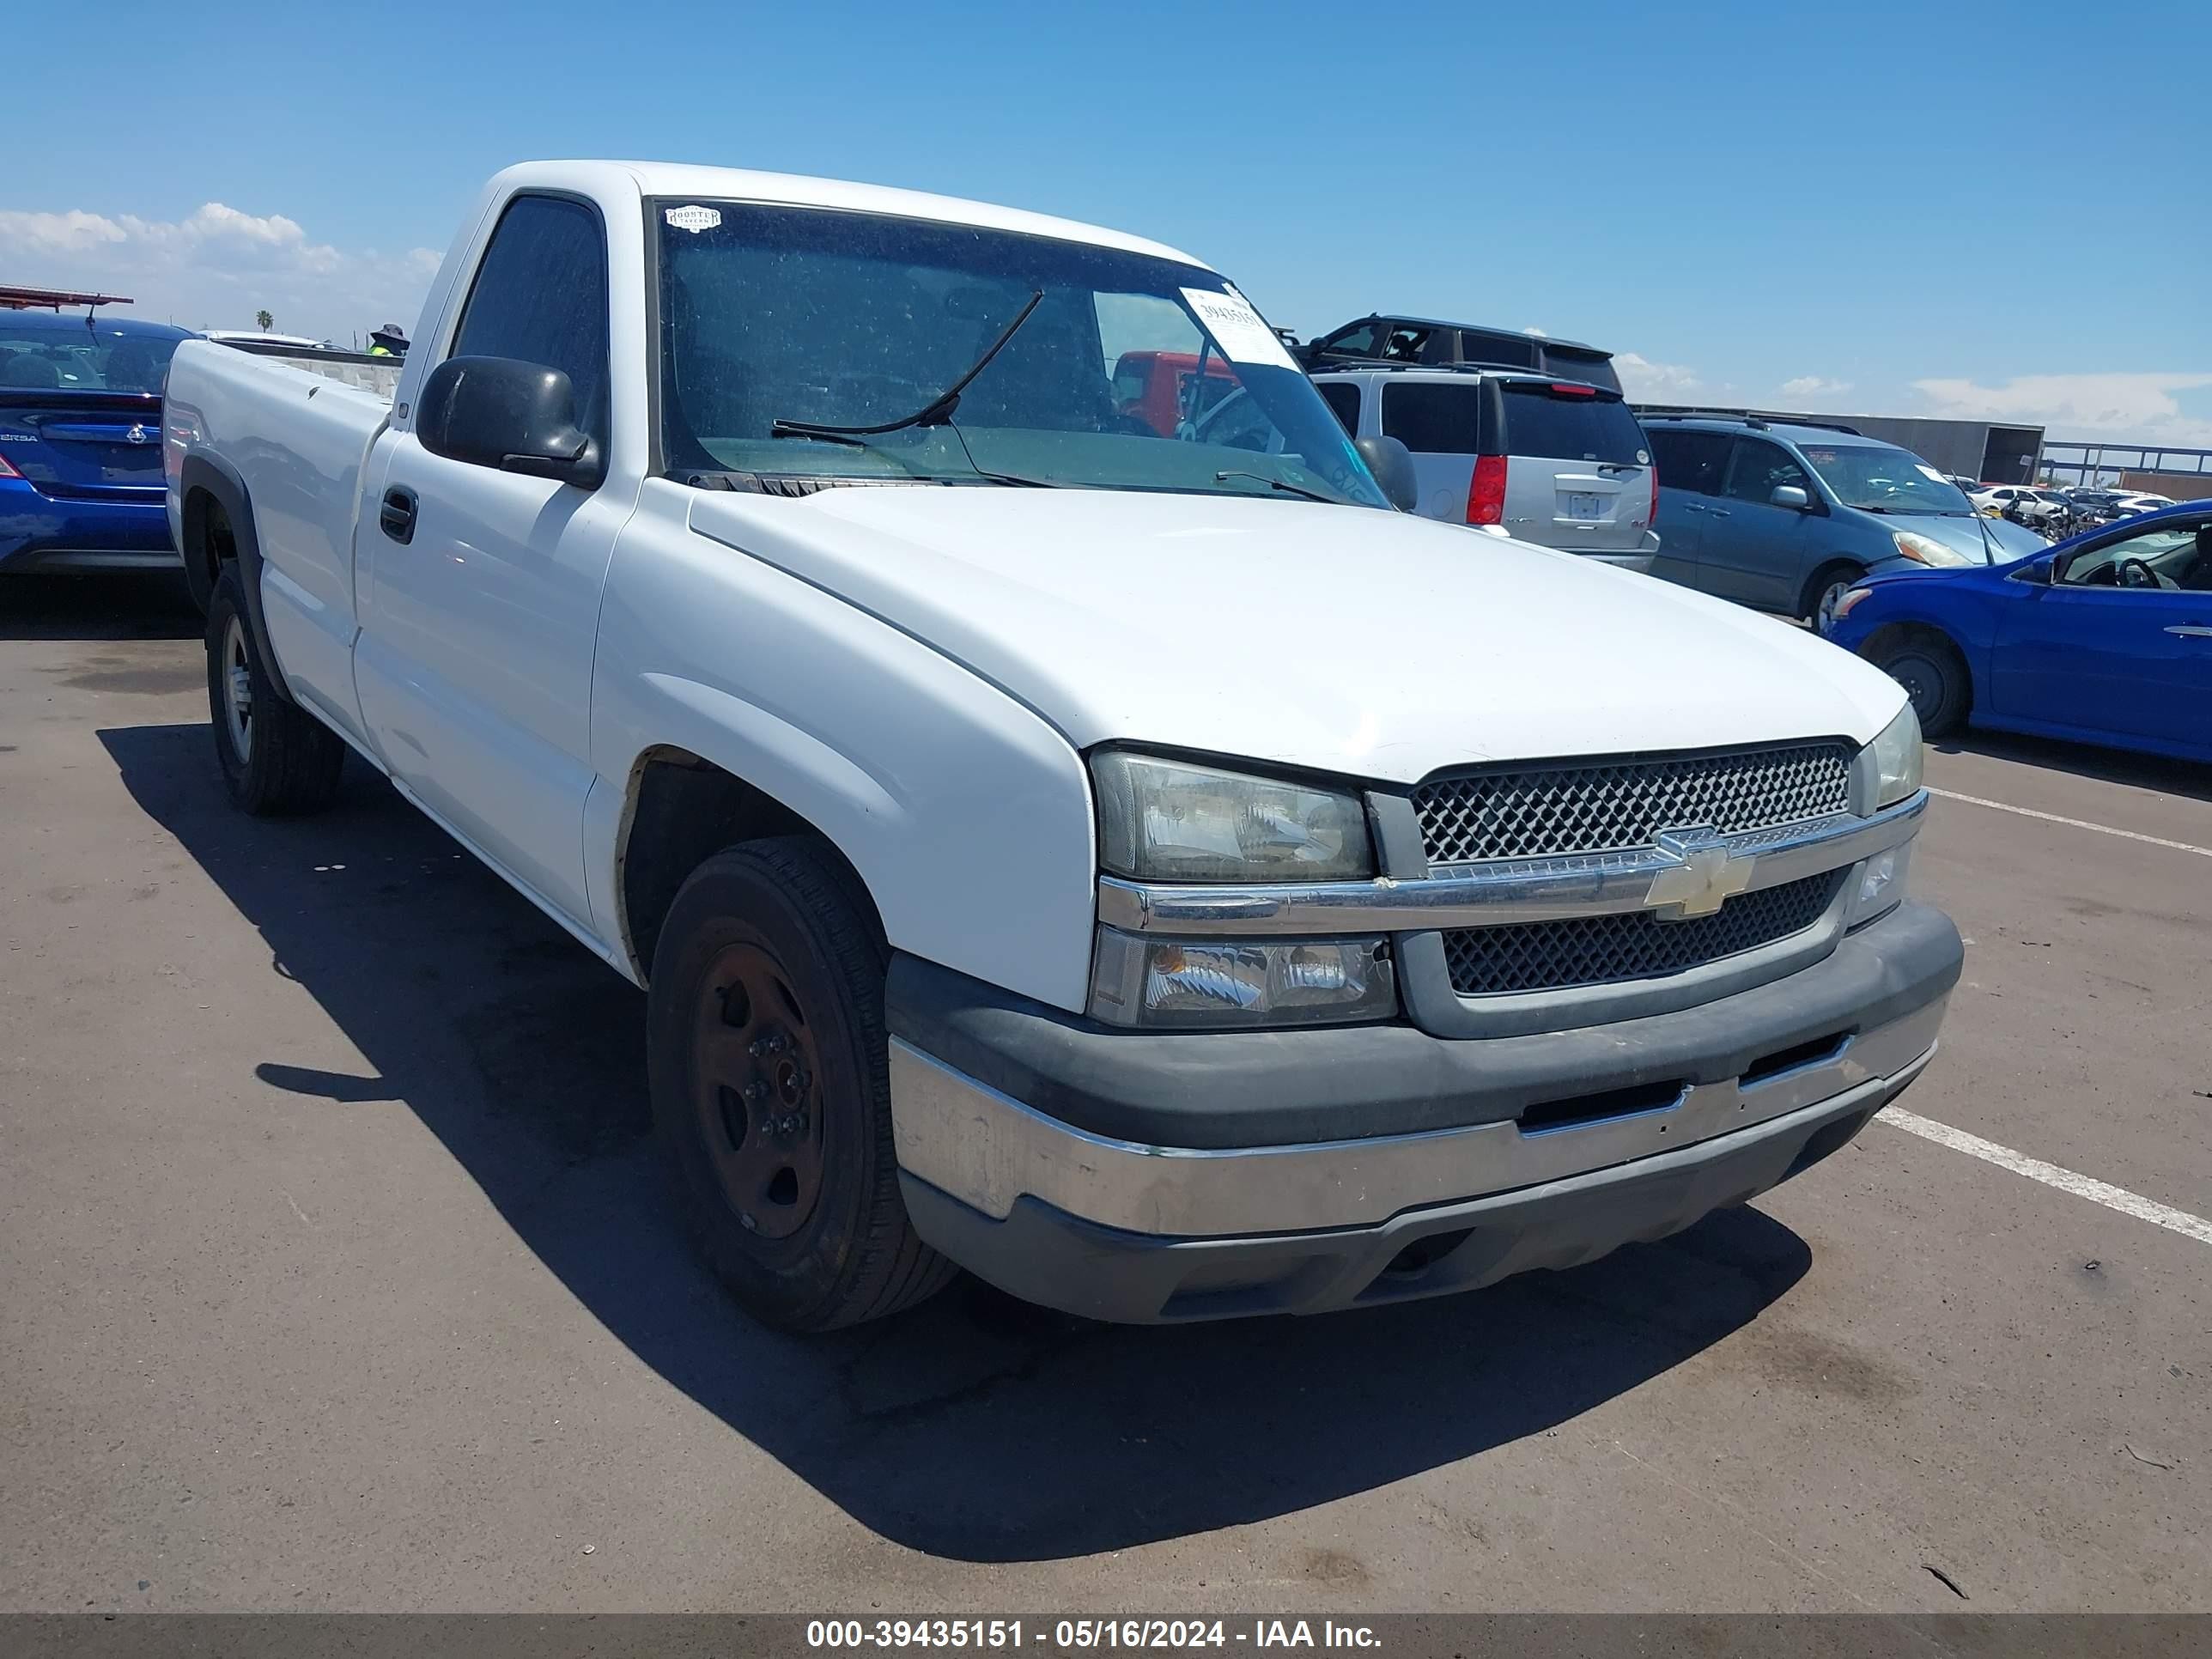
[
  {"x": 1816, "y": 606},
  {"x": 277, "y": 758},
  {"x": 1934, "y": 677},
  {"x": 771, "y": 1093}
]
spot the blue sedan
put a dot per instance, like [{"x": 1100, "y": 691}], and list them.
[
  {"x": 2106, "y": 638},
  {"x": 80, "y": 485}
]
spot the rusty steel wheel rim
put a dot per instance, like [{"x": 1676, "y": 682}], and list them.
[{"x": 756, "y": 1083}]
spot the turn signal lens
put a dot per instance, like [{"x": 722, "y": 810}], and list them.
[{"x": 1169, "y": 984}]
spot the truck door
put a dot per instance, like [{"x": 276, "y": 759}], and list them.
[{"x": 483, "y": 596}]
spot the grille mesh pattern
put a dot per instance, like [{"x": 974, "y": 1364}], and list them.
[
  {"x": 1625, "y": 804},
  {"x": 1547, "y": 955}
]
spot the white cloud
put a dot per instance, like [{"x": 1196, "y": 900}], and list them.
[
  {"x": 1812, "y": 385},
  {"x": 1536, "y": 332},
  {"x": 217, "y": 266},
  {"x": 2120, "y": 406},
  {"x": 1645, "y": 381}
]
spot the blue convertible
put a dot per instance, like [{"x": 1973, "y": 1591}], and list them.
[
  {"x": 81, "y": 442},
  {"x": 2106, "y": 638}
]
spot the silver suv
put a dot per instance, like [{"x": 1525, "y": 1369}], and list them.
[{"x": 1560, "y": 463}]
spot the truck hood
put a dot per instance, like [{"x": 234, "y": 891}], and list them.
[{"x": 1340, "y": 638}]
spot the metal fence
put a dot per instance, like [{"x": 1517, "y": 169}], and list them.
[{"x": 2081, "y": 462}]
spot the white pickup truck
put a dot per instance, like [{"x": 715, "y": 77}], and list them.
[{"x": 1143, "y": 868}]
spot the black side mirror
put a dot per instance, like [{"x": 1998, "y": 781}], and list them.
[
  {"x": 509, "y": 415},
  {"x": 1392, "y": 464}
]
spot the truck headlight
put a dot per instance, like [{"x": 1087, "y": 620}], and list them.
[
  {"x": 1897, "y": 759},
  {"x": 1225, "y": 984},
  {"x": 1164, "y": 820}
]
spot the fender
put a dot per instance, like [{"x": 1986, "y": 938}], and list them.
[{"x": 216, "y": 476}]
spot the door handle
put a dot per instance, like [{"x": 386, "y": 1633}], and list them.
[
  {"x": 2191, "y": 631},
  {"x": 396, "y": 515},
  {"x": 1718, "y": 512},
  {"x": 1691, "y": 507}
]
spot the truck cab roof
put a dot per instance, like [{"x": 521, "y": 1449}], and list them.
[{"x": 684, "y": 180}]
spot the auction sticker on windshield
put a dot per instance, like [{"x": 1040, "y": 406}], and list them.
[{"x": 1236, "y": 328}]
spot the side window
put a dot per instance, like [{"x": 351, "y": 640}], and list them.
[
  {"x": 1506, "y": 350},
  {"x": 1761, "y": 468},
  {"x": 1433, "y": 419},
  {"x": 1357, "y": 341},
  {"x": 1689, "y": 461},
  {"x": 2172, "y": 557},
  {"x": 1406, "y": 343},
  {"x": 541, "y": 296},
  {"x": 1343, "y": 400}
]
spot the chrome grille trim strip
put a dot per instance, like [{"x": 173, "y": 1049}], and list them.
[{"x": 1507, "y": 891}]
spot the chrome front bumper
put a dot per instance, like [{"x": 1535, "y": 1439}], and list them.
[{"x": 988, "y": 1151}]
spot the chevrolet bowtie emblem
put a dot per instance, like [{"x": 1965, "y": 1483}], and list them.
[{"x": 1708, "y": 876}]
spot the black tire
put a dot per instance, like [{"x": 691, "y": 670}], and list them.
[
  {"x": 1933, "y": 675},
  {"x": 278, "y": 759},
  {"x": 768, "y": 945},
  {"x": 1827, "y": 584}
]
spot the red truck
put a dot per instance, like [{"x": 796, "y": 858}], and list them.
[{"x": 1149, "y": 384}]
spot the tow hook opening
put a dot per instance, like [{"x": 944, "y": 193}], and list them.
[{"x": 1578, "y": 1111}]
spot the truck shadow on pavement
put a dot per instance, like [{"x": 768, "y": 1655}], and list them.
[
  {"x": 973, "y": 1427},
  {"x": 120, "y": 605}
]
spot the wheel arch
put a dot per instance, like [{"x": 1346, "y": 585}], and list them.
[
  {"x": 218, "y": 528},
  {"x": 679, "y": 809}
]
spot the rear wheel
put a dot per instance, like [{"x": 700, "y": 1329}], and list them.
[
  {"x": 1934, "y": 677},
  {"x": 277, "y": 758},
  {"x": 771, "y": 1092},
  {"x": 1816, "y": 606}
]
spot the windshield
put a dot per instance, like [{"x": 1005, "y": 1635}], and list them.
[
  {"x": 97, "y": 358},
  {"x": 855, "y": 320},
  {"x": 1884, "y": 480}
]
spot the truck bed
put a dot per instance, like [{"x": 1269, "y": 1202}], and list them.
[{"x": 289, "y": 441}]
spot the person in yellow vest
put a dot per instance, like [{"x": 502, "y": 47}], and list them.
[{"x": 390, "y": 340}]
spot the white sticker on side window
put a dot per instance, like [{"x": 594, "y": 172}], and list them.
[
  {"x": 1236, "y": 328},
  {"x": 694, "y": 219}
]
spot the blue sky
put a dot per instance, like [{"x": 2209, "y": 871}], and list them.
[{"x": 1999, "y": 211}]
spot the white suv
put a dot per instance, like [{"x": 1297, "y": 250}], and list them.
[{"x": 1559, "y": 463}]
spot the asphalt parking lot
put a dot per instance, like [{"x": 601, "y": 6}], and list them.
[{"x": 335, "y": 1274}]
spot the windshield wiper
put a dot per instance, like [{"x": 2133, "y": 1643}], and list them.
[
  {"x": 938, "y": 412},
  {"x": 1287, "y": 488}
]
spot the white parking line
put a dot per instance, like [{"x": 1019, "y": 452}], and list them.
[
  {"x": 2082, "y": 1186},
  {"x": 2072, "y": 824}
]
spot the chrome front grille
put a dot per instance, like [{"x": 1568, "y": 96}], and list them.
[
  {"x": 1629, "y": 944},
  {"x": 1612, "y": 806}
]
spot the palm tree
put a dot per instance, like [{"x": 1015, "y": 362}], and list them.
[{"x": 263, "y": 321}]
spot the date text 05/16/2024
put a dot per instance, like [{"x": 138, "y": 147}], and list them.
[{"x": 1084, "y": 1634}]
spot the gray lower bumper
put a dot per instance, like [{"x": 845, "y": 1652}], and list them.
[
  {"x": 1044, "y": 1254},
  {"x": 1439, "y": 1165}
]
